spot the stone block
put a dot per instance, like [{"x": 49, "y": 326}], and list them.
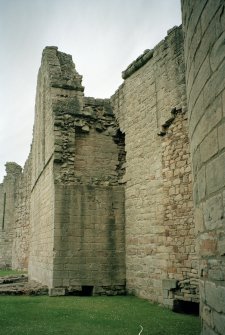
[
  {"x": 217, "y": 52},
  {"x": 199, "y": 222},
  {"x": 221, "y": 132},
  {"x": 221, "y": 244},
  {"x": 215, "y": 174},
  {"x": 216, "y": 80},
  {"x": 207, "y": 244},
  {"x": 196, "y": 159},
  {"x": 215, "y": 296},
  {"x": 209, "y": 146},
  {"x": 196, "y": 114},
  {"x": 223, "y": 103},
  {"x": 169, "y": 303},
  {"x": 169, "y": 284},
  {"x": 55, "y": 292},
  {"x": 214, "y": 212},
  {"x": 200, "y": 80},
  {"x": 193, "y": 22},
  {"x": 208, "y": 12},
  {"x": 206, "y": 315},
  {"x": 207, "y": 330},
  {"x": 219, "y": 321},
  {"x": 201, "y": 181}
]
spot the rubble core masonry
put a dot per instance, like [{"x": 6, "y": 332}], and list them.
[{"x": 126, "y": 195}]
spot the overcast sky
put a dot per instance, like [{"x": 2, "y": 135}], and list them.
[{"x": 103, "y": 36}]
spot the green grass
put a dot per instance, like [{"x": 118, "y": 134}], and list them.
[
  {"x": 8, "y": 272},
  {"x": 22, "y": 315}
]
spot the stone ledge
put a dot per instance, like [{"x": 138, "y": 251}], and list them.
[{"x": 138, "y": 63}]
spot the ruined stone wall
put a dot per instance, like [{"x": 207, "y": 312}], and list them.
[
  {"x": 58, "y": 95},
  {"x": 182, "y": 263},
  {"x": 89, "y": 211},
  {"x": 8, "y": 191},
  {"x": 154, "y": 86},
  {"x": 77, "y": 203},
  {"x": 21, "y": 230},
  {"x": 204, "y": 28},
  {"x": 42, "y": 180}
]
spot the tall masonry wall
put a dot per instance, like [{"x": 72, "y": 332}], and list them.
[
  {"x": 8, "y": 191},
  {"x": 89, "y": 211},
  {"x": 66, "y": 216},
  {"x": 21, "y": 229},
  {"x": 102, "y": 199},
  {"x": 150, "y": 107},
  {"x": 204, "y": 29},
  {"x": 40, "y": 266},
  {"x": 77, "y": 202}
]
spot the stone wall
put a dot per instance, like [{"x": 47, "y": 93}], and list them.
[
  {"x": 178, "y": 220},
  {"x": 89, "y": 239},
  {"x": 42, "y": 180},
  {"x": 77, "y": 203},
  {"x": 65, "y": 212},
  {"x": 158, "y": 183},
  {"x": 21, "y": 229},
  {"x": 8, "y": 191},
  {"x": 204, "y": 28},
  {"x": 89, "y": 212}
]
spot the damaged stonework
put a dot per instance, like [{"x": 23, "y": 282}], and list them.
[
  {"x": 168, "y": 122},
  {"x": 97, "y": 120},
  {"x": 182, "y": 261},
  {"x": 8, "y": 190},
  {"x": 77, "y": 193}
]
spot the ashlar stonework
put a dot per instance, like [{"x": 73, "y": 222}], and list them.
[{"x": 126, "y": 195}]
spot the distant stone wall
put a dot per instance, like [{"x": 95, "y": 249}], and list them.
[
  {"x": 21, "y": 230},
  {"x": 8, "y": 191},
  {"x": 157, "y": 217},
  {"x": 204, "y": 28}
]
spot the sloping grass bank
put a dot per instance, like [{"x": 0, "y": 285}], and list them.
[{"x": 22, "y": 315}]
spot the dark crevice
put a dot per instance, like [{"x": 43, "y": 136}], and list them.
[
  {"x": 186, "y": 307},
  {"x": 87, "y": 291}
]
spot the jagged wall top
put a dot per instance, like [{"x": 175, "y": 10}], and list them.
[
  {"x": 62, "y": 72},
  {"x": 143, "y": 58}
]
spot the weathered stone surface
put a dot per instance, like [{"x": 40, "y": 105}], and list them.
[
  {"x": 137, "y": 64},
  {"x": 205, "y": 86},
  {"x": 8, "y": 190},
  {"x": 67, "y": 209},
  {"x": 158, "y": 206},
  {"x": 19, "y": 285},
  {"x": 215, "y": 296},
  {"x": 219, "y": 321},
  {"x": 55, "y": 292},
  {"x": 169, "y": 284}
]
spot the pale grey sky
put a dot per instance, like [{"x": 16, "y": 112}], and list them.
[{"x": 103, "y": 36}]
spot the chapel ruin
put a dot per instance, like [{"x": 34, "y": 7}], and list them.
[{"x": 127, "y": 194}]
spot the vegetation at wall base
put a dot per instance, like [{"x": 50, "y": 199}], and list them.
[
  {"x": 9, "y": 272},
  {"x": 25, "y": 315}
]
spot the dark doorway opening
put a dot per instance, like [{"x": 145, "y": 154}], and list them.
[
  {"x": 87, "y": 291},
  {"x": 186, "y": 307}
]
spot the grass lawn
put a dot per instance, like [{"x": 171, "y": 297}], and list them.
[
  {"x": 8, "y": 272},
  {"x": 25, "y": 315}
]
